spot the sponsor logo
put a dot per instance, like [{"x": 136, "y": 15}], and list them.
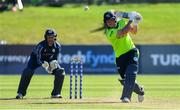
[{"x": 165, "y": 59}]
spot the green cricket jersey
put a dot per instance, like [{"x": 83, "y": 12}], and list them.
[{"x": 120, "y": 45}]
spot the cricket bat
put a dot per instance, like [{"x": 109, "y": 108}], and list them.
[{"x": 122, "y": 14}]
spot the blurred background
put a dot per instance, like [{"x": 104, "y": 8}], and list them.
[{"x": 74, "y": 25}]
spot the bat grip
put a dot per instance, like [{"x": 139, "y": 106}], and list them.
[{"x": 125, "y": 15}]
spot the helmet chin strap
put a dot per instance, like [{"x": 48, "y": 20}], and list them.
[{"x": 116, "y": 23}]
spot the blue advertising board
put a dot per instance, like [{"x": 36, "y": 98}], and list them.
[
  {"x": 97, "y": 59},
  {"x": 160, "y": 59}
]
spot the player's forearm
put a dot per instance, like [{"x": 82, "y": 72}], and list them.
[
  {"x": 134, "y": 29},
  {"x": 125, "y": 30}
]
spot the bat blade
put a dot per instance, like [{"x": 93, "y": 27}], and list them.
[{"x": 98, "y": 29}]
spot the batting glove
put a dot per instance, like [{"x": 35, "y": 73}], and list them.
[
  {"x": 137, "y": 18},
  {"x": 121, "y": 14},
  {"x": 131, "y": 15}
]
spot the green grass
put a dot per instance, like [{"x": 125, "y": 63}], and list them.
[
  {"x": 99, "y": 92},
  {"x": 160, "y": 24}
]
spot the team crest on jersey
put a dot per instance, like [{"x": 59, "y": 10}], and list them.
[
  {"x": 135, "y": 59},
  {"x": 53, "y": 50}
]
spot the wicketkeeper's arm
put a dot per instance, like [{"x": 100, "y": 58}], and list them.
[
  {"x": 37, "y": 51},
  {"x": 59, "y": 48}
]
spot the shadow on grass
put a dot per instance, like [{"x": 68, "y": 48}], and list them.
[
  {"x": 8, "y": 99},
  {"x": 82, "y": 102},
  {"x": 22, "y": 99},
  {"x": 59, "y": 101},
  {"x": 75, "y": 103}
]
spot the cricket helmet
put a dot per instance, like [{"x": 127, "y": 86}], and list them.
[
  {"x": 50, "y": 32},
  {"x": 109, "y": 15}
]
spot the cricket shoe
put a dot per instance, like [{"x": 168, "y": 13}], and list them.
[
  {"x": 125, "y": 100},
  {"x": 141, "y": 97},
  {"x": 19, "y": 96},
  {"x": 56, "y": 96}
]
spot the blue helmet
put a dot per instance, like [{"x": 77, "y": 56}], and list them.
[{"x": 50, "y": 32}]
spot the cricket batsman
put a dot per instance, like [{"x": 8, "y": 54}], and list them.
[
  {"x": 126, "y": 53},
  {"x": 45, "y": 54}
]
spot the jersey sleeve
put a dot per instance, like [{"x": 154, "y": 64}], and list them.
[
  {"x": 58, "y": 48},
  {"x": 37, "y": 51}
]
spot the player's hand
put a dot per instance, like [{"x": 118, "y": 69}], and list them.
[
  {"x": 137, "y": 18},
  {"x": 134, "y": 16},
  {"x": 53, "y": 65},
  {"x": 136, "y": 22},
  {"x": 45, "y": 65}
]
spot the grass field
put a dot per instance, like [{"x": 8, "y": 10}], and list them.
[
  {"x": 99, "y": 92},
  {"x": 73, "y": 24}
]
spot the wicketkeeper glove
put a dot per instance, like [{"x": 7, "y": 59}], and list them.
[
  {"x": 45, "y": 65},
  {"x": 53, "y": 65}
]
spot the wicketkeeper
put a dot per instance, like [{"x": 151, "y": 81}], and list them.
[
  {"x": 45, "y": 54},
  {"x": 127, "y": 55}
]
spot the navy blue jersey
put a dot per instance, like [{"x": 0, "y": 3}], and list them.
[{"x": 43, "y": 52}]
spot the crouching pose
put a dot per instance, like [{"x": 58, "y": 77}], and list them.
[
  {"x": 127, "y": 55},
  {"x": 44, "y": 54}
]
